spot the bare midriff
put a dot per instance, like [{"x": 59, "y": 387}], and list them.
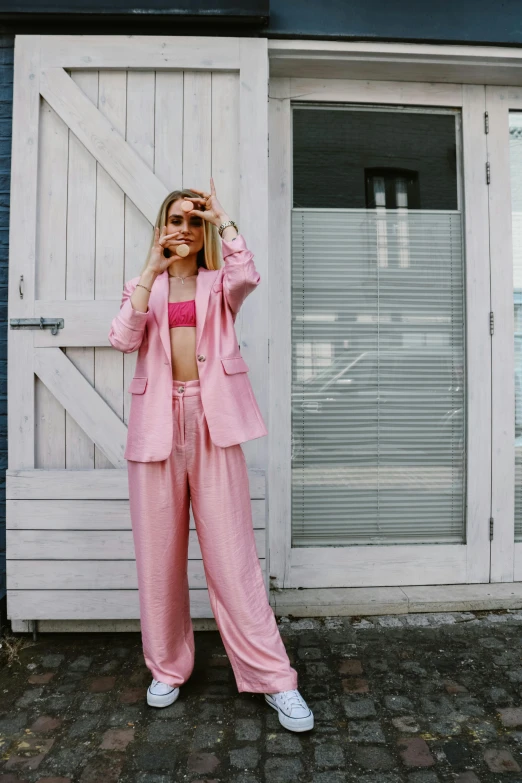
[
  {"x": 183, "y": 338},
  {"x": 183, "y": 350}
]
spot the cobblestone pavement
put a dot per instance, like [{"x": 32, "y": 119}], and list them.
[{"x": 421, "y": 698}]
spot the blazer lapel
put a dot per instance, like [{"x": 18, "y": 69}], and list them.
[
  {"x": 158, "y": 303},
  {"x": 204, "y": 282}
]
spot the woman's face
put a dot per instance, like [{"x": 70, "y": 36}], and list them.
[{"x": 186, "y": 229}]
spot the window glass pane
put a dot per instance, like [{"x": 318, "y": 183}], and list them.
[
  {"x": 515, "y": 151},
  {"x": 378, "y": 354}
]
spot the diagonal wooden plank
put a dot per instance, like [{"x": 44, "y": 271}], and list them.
[
  {"x": 103, "y": 141},
  {"x": 82, "y": 402}
]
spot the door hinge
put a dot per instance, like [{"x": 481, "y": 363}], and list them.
[
  {"x": 491, "y": 322},
  {"x": 491, "y": 525},
  {"x": 488, "y": 173},
  {"x": 486, "y": 122}
]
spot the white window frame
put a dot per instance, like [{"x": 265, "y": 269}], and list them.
[
  {"x": 398, "y": 564},
  {"x": 506, "y": 553}
]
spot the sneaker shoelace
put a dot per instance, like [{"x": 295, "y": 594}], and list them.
[{"x": 293, "y": 698}]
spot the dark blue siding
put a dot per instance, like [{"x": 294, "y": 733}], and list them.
[
  {"x": 446, "y": 21},
  {"x": 6, "y": 103}
]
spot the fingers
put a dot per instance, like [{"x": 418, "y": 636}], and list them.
[{"x": 160, "y": 240}]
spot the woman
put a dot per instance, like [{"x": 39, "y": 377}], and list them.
[{"x": 192, "y": 405}]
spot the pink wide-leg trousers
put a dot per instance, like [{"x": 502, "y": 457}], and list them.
[{"x": 215, "y": 481}]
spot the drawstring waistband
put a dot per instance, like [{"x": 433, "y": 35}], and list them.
[{"x": 186, "y": 388}]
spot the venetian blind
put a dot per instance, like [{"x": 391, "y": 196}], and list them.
[{"x": 378, "y": 377}]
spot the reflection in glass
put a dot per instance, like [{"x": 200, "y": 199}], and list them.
[{"x": 378, "y": 363}]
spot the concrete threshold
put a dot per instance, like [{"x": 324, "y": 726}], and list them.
[
  {"x": 331, "y": 602},
  {"x": 360, "y": 601}
]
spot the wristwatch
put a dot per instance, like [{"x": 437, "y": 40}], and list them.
[{"x": 223, "y": 226}]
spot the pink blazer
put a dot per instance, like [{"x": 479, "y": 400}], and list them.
[{"x": 231, "y": 410}]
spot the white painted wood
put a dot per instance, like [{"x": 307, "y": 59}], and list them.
[
  {"x": 279, "y": 303},
  {"x": 143, "y": 52},
  {"x": 51, "y": 240},
  {"x": 98, "y": 514},
  {"x": 252, "y": 324},
  {"x": 88, "y": 574},
  {"x": 197, "y": 129},
  {"x": 387, "y": 565},
  {"x": 87, "y": 485},
  {"x": 517, "y": 562},
  {"x": 89, "y": 604},
  {"x": 98, "y": 626},
  {"x": 168, "y": 125},
  {"x": 363, "y": 60},
  {"x": 367, "y": 566},
  {"x": 83, "y": 403},
  {"x": 109, "y": 252},
  {"x": 140, "y": 139},
  {"x": 406, "y": 600},
  {"x": 22, "y": 250},
  {"x": 101, "y": 139},
  {"x": 81, "y": 251},
  {"x": 312, "y": 89},
  {"x": 86, "y": 323},
  {"x": 89, "y": 544},
  {"x": 503, "y": 566},
  {"x": 349, "y": 601},
  {"x": 478, "y": 340},
  {"x": 109, "y": 126}
]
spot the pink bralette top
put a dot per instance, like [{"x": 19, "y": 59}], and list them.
[{"x": 182, "y": 313}]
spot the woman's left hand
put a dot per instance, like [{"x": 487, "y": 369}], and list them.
[{"x": 213, "y": 211}]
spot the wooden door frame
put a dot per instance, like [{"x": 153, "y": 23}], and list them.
[
  {"x": 40, "y": 63},
  {"x": 40, "y": 72},
  {"x": 419, "y": 564},
  {"x": 506, "y": 553}
]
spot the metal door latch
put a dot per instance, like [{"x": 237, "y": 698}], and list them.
[{"x": 37, "y": 323}]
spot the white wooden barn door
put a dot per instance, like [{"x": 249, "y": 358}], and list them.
[{"x": 103, "y": 128}]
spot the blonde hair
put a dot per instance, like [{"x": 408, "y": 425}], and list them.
[{"x": 210, "y": 254}]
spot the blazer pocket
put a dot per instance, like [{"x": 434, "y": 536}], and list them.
[
  {"x": 137, "y": 385},
  {"x": 232, "y": 364}
]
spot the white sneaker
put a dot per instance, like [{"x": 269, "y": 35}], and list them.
[
  {"x": 294, "y": 713},
  {"x": 160, "y": 694}
]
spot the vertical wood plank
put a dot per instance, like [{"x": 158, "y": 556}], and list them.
[
  {"x": 279, "y": 469},
  {"x": 225, "y": 140},
  {"x": 140, "y": 136},
  {"x": 502, "y": 342},
  {"x": 110, "y": 248},
  {"x": 168, "y": 129},
  {"x": 197, "y": 129},
  {"x": 81, "y": 253},
  {"x": 51, "y": 236},
  {"x": 22, "y": 248},
  {"x": 478, "y": 344},
  {"x": 253, "y": 220}
]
